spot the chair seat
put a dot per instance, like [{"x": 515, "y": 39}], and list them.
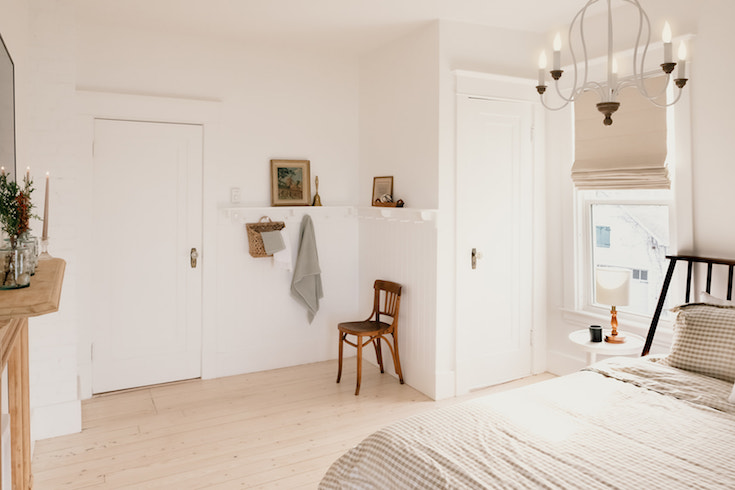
[{"x": 362, "y": 328}]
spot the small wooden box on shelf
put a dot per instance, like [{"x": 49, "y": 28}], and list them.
[{"x": 16, "y": 305}]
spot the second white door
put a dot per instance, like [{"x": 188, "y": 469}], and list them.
[
  {"x": 495, "y": 224},
  {"x": 147, "y": 201}
]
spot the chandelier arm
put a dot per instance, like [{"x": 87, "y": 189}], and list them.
[
  {"x": 543, "y": 103},
  {"x": 574, "y": 90},
  {"x": 668, "y": 104},
  {"x": 597, "y": 87},
  {"x": 562, "y": 96},
  {"x": 580, "y": 18},
  {"x": 634, "y": 81}
]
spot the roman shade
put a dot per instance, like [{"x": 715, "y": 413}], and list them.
[{"x": 629, "y": 154}]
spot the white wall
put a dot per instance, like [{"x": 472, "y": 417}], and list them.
[
  {"x": 272, "y": 103},
  {"x": 399, "y": 137},
  {"x": 50, "y": 138},
  {"x": 268, "y": 103},
  {"x": 407, "y": 108},
  {"x": 713, "y": 128},
  {"x": 399, "y": 118}
]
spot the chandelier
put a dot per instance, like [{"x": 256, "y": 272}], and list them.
[{"x": 609, "y": 89}]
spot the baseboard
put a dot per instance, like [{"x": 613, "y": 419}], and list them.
[
  {"x": 56, "y": 420},
  {"x": 445, "y": 385}
]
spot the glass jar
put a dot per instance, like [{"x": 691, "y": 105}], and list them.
[
  {"x": 31, "y": 242},
  {"x": 15, "y": 267}
]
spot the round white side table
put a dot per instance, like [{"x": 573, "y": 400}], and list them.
[{"x": 633, "y": 345}]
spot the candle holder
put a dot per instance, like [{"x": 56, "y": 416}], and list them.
[{"x": 44, "y": 250}]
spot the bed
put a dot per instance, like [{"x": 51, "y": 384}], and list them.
[{"x": 649, "y": 422}]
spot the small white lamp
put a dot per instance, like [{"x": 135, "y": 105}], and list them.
[{"x": 613, "y": 288}]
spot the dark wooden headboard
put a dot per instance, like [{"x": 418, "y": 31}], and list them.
[{"x": 690, "y": 260}]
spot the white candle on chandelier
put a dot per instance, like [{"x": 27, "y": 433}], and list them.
[
  {"x": 542, "y": 68},
  {"x": 682, "y": 60},
  {"x": 666, "y": 37},
  {"x": 557, "y": 52}
]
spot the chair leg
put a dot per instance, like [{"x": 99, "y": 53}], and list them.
[
  {"x": 339, "y": 369},
  {"x": 359, "y": 364},
  {"x": 378, "y": 353},
  {"x": 397, "y": 358}
]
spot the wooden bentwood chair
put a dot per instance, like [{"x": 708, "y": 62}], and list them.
[{"x": 375, "y": 330}]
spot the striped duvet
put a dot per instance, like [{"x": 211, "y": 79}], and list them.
[{"x": 622, "y": 423}]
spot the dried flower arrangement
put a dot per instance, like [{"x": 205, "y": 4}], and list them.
[{"x": 15, "y": 207}]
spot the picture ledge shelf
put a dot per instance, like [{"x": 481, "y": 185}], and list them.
[{"x": 245, "y": 214}]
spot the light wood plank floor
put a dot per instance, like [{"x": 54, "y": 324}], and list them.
[{"x": 273, "y": 429}]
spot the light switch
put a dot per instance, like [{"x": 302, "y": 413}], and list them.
[{"x": 235, "y": 195}]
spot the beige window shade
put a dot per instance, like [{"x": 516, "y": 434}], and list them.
[{"x": 630, "y": 154}]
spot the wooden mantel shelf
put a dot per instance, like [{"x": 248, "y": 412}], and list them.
[
  {"x": 16, "y": 305},
  {"x": 40, "y": 298}
]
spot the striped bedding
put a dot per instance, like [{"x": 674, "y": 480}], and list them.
[{"x": 622, "y": 423}]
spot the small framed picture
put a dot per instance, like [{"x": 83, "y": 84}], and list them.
[
  {"x": 290, "y": 183},
  {"x": 382, "y": 186}
]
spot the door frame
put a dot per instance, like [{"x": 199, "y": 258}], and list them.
[
  {"x": 511, "y": 89},
  {"x": 93, "y": 105}
]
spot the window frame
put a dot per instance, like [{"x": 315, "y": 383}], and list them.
[{"x": 586, "y": 241}]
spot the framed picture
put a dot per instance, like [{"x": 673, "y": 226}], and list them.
[
  {"x": 290, "y": 183},
  {"x": 381, "y": 187}
]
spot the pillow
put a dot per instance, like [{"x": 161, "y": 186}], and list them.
[
  {"x": 704, "y": 340},
  {"x": 705, "y": 297}
]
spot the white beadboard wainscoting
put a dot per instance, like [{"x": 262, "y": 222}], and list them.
[
  {"x": 400, "y": 245},
  {"x": 260, "y": 326}
]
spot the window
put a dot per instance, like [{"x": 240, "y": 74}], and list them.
[
  {"x": 629, "y": 229},
  {"x": 620, "y": 220}
]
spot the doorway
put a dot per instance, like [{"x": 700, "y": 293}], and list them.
[{"x": 147, "y": 284}]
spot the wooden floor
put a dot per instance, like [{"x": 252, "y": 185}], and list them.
[{"x": 273, "y": 429}]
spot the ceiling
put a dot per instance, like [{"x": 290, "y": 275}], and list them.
[{"x": 351, "y": 26}]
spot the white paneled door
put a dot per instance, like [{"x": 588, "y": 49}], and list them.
[
  {"x": 494, "y": 241},
  {"x": 146, "y": 305}
]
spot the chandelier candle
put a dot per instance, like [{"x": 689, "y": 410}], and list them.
[
  {"x": 682, "y": 61},
  {"x": 542, "y": 68},
  {"x": 666, "y": 37}
]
